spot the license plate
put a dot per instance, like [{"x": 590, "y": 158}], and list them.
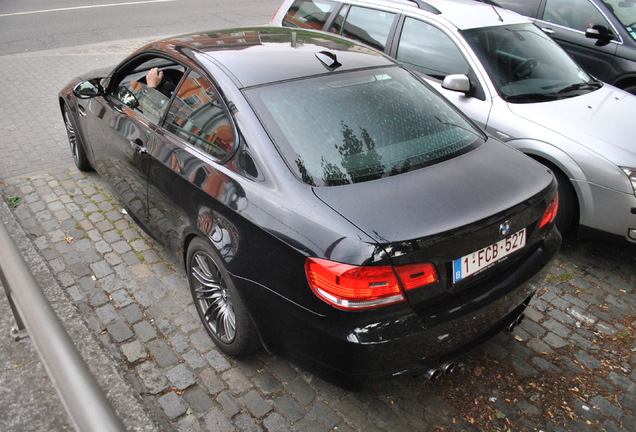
[{"x": 483, "y": 258}]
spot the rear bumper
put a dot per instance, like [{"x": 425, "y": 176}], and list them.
[{"x": 351, "y": 348}]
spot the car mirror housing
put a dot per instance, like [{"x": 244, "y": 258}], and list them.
[
  {"x": 457, "y": 82},
  {"x": 599, "y": 32},
  {"x": 88, "y": 89}
]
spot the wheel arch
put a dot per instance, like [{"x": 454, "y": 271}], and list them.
[{"x": 563, "y": 168}]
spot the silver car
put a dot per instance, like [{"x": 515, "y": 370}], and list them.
[{"x": 516, "y": 83}]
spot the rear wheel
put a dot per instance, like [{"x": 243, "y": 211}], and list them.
[
  {"x": 77, "y": 147},
  {"x": 217, "y": 301}
]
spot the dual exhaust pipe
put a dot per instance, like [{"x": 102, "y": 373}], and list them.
[
  {"x": 515, "y": 323},
  {"x": 434, "y": 374}
]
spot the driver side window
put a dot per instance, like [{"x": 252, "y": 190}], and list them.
[
  {"x": 428, "y": 50},
  {"x": 574, "y": 14},
  {"x": 149, "y": 97}
]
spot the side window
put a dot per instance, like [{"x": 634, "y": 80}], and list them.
[
  {"x": 339, "y": 20},
  {"x": 368, "y": 26},
  {"x": 428, "y": 50},
  {"x": 311, "y": 14},
  {"x": 137, "y": 88},
  {"x": 524, "y": 7},
  {"x": 575, "y": 14},
  {"x": 198, "y": 116}
]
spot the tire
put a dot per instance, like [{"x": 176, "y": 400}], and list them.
[
  {"x": 74, "y": 140},
  {"x": 217, "y": 301},
  {"x": 567, "y": 216},
  {"x": 630, "y": 89}
]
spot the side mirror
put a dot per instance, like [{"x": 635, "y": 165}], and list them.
[
  {"x": 599, "y": 32},
  {"x": 456, "y": 82},
  {"x": 88, "y": 89},
  {"x": 127, "y": 97}
]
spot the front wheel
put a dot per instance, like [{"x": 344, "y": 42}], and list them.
[
  {"x": 630, "y": 89},
  {"x": 567, "y": 216},
  {"x": 217, "y": 301},
  {"x": 77, "y": 147}
]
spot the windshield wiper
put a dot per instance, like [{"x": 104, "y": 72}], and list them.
[
  {"x": 581, "y": 86},
  {"x": 532, "y": 97}
]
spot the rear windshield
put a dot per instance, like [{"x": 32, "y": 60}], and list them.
[{"x": 360, "y": 126}]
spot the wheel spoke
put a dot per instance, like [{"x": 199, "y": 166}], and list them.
[
  {"x": 205, "y": 279},
  {"x": 213, "y": 298},
  {"x": 70, "y": 130},
  {"x": 226, "y": 324}
]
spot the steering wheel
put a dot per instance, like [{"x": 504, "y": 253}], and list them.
[{"x": 525, "y": 68}]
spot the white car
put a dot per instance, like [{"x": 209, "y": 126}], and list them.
[{"x": 516, "y": 83}]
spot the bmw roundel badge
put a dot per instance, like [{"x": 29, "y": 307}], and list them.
[{"x": 504, "y": 229}]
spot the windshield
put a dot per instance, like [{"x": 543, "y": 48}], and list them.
[
  {"x": 526, "y": 65},
  {"x": 625, "y": 11},
  {"x": 354, "y": 127}
]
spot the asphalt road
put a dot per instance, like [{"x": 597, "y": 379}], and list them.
[{"x": 35, "y": 25}]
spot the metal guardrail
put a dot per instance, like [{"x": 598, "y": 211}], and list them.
[{"x": 84, "y": 401}]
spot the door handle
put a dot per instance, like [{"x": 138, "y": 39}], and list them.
[
  {"x": 548, "y": 30},
  {"x": 138, "y": 146}
]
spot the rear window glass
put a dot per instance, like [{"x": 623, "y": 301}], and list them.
[
  {"x": 310, "y": 14},
  {"x": 348, "y": 128}
]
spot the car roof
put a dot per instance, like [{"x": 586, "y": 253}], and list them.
[
  {"x": 275, "y": 53},
  {"x": 467, "y": 14},
  {"x": 463, "y": 14}
]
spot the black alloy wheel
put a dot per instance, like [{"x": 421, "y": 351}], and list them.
[
  {"x": 77, "y": 148},
  {"x": 219, "y": 305}
]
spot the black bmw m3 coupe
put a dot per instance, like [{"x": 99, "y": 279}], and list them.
[{"x": 327, "y": 204}]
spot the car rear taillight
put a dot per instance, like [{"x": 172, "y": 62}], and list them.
[
  {"x": 550, "y": 213},
  {"x": 417, "y": 275},
  {"x": 362, "y": 287}
]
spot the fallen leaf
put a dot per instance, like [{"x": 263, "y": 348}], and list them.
[{"x": 69, "y": 240}]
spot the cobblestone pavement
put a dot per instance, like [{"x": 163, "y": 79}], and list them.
[{"x": 569, "y": 366}]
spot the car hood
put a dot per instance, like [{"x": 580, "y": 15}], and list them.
[
  {"x": 448, "y": 195},
  {"x": 602, "y": 121}
]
